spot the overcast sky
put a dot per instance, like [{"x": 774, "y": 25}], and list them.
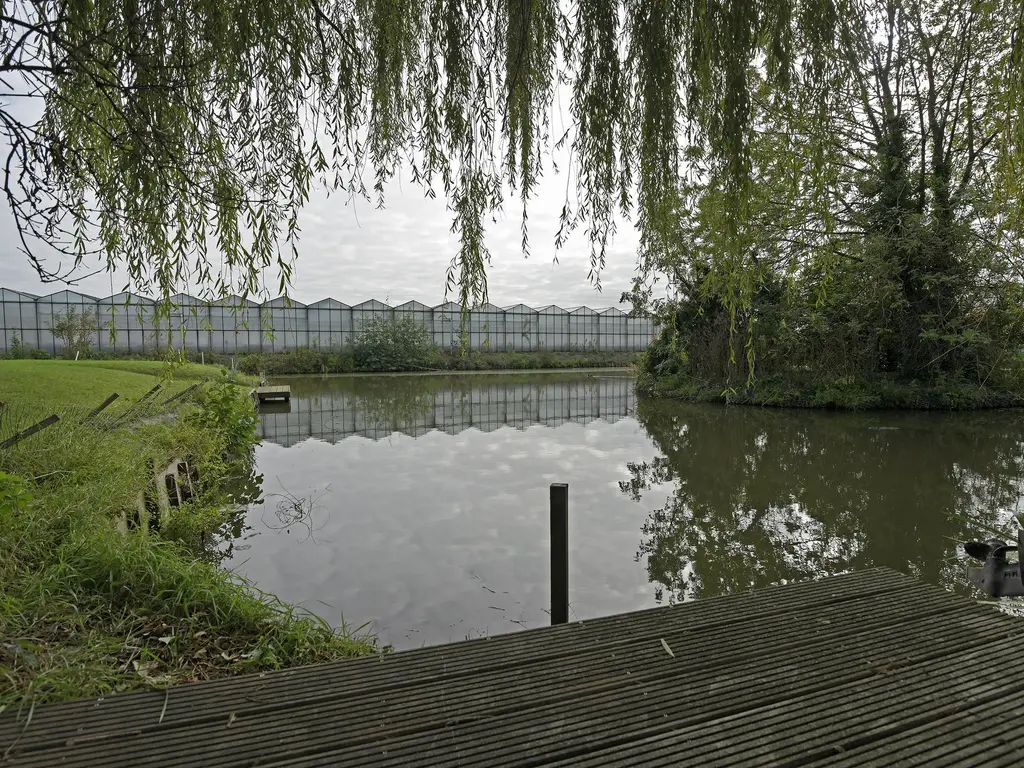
[{"x": 354, "y": 253}]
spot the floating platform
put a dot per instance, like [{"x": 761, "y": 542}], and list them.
[
  {"x": 281, "y": 393},
  {"x": 865, "y": 669}
]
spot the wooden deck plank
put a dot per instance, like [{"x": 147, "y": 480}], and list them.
[
  {"x": 938, "y": 743},
  {"x": 281, "y": 691},
  {"x": 829, "y": 723},
  {"x": 273, "y": 393},
  {"x": 751, "y": 736},
  {"x": 844, "y": 669},
  {"x": 570, "y": 736},
  {"x": 365, "y": 717},
  {"x": 532, "y": 647}
]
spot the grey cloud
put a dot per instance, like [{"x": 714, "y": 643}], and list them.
[{"x": 354, "y": 251}]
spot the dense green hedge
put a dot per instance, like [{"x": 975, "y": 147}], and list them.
[
  {"x": 311, "y": 360},
  {"x": 839, "y": 393}
]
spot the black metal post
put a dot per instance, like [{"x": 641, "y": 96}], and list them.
[{"x": 559, "y": 553}]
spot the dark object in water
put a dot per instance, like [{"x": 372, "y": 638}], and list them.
[
  {"x": 982, "y": 550},
  {"x": 997, "y": 578}
]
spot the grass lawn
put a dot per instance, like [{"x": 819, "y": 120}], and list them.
[{"x": 58, "y": 383}]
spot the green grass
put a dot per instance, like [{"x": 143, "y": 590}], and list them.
[
  {"x": 85, "y": 610},
  {"x": 60, "y": 383},
  {"x": 845, "y": 393}
]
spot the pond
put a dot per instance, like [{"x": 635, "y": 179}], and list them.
[{"x": 420, "y": 503}]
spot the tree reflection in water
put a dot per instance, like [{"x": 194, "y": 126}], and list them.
[{"x": 758, "y": 497}]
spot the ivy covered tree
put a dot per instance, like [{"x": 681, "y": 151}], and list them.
[
  {"x": 881, "y": 236},
  {"x": 181, "y": 139}
]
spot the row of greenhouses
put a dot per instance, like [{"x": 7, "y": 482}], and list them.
[
  {"x": 132, "y": 324},
  {"x": 337, "y": 415}
]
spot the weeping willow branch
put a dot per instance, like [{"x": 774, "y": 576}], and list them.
[{"x": 179, "y": 141}]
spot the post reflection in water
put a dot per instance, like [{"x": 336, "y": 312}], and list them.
[{"x": 430, "y": 496}]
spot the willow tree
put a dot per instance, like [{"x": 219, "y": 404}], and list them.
[
  {"x": 881, "y": 233},
  {"x": 181, "y": 139}
]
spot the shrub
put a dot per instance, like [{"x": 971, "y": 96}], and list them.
[
  {"x": 341, "y": 362},
  {"x": 251, "y": 364},
  {"x": 228, "y": 412},
  {"x": 75, "y": 330},
  {"x": 16, "y": 349},
  {"x": 307, "y": 360},
  {"x": 394, "y": 344},
  {"x": 38, "y": 354}
]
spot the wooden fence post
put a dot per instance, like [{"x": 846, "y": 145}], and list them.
[
  {"x": 37, "y": 427},
  {"x": 559, "y": 553},
  {"x": 181, "y": 394},
  {"x": 96, "y": 411}
]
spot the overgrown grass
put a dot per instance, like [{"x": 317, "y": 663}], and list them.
[
  {"x": 184, "y": 371},
  {"x": 844, "y": 393},
  {"x": 85, "y": 610}
]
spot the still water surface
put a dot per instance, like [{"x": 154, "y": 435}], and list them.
[{"x": 419, "y": 504}]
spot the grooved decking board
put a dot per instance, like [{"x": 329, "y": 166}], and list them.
[
  {"x": 269, "y": 393},
  {"x": 867, "y": 668}
]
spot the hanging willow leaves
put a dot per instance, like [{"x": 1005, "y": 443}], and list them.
[
  {"x": 179, "y": 140},
  {"x": 879, "y": 234}
]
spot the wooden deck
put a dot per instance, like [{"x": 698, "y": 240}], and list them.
[
  {"x": 273, "y": 393},
  {"x": 870, "y": 668}
]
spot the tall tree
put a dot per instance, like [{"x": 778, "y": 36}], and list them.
[
  {"x": 883, "y": 212},
  {"x": 182, "y": 138}
]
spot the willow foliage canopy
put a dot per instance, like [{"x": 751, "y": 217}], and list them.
[{"x": 180, "y": 139}]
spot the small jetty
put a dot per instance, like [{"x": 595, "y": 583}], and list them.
[
  {"x": 266, "y": 393},
  {"x": 864, "y": 669}
]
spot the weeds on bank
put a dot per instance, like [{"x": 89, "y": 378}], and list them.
[
  {"x": 85, "y": 610},
  {"x": 844, "y": 393}
]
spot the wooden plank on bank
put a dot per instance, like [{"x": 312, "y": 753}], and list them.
[
  {"x": 185, "y": 391},
  {"x": 150, "y": 394},
  {"x": 853, "y": 670},
  {"x": 134, "y": 410},
  {"x": 39, "y": 426},
  {"x": 102, "y": 406}
]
